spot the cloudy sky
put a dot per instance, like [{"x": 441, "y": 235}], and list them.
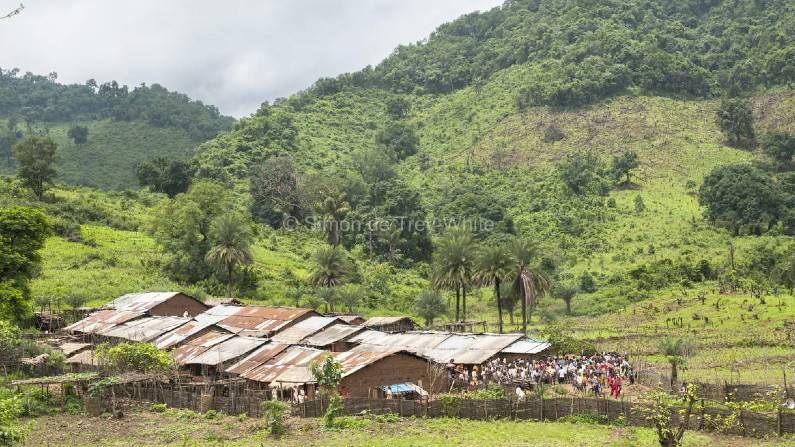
[{"x": 234, "y": 54}]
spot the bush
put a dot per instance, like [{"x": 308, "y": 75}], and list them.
[
  {"x": 493, "y": 392},
  {"x": 135, "y": 356},
  {"x": 273, "y": 412},
  {"x": 159, "y": 408},
  {"x": 11, "y": 432},
  {"x": 335, "y": 410}
]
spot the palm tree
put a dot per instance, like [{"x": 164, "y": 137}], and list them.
[
  {"x": 531, "y": 280},
  {"x": 331, "y": 267},
  {"x": 566, "y": 292},
  {"x": 675, "y": 350},
  {"x": 453, "y": 265},
  {"x": 231, "y": 238},
  {"x": 351, "y": 295},
  {"x": 334, "y": 207},
  {"x": 492, "y": 266}
]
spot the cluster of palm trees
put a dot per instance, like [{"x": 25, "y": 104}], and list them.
[{"x": 460, "y": 264}]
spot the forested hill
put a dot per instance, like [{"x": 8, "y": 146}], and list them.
[
  {"x": 528, "y": 53},
  {"x": 103, "y": 130},
  {"x": 581, "y": 50}
]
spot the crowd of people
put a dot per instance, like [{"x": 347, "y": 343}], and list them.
[{"x": 596, "y": 374}]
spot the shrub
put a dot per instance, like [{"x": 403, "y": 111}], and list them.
[
  {"x": 159, "y": 408},
  {"x": 335, "y": 410},
  {"x": 493, "y": 392},
  {"x": 11, "y": 432},
  {"x": 135, "y": 356},
  {"x": 273, "y": 412}
]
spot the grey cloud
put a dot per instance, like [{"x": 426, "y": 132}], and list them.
[{"x": 234, "y": 54}]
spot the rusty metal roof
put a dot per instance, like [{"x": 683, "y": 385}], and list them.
[
  {"x": 180, "y": 334},
  {"x": 332, "y": 334},
  {"x": 354, "y": 361},
  {"x": 144, "y": 329},
  {"x": 262, "y": 320},
  {"x": 140, "y": 302},
  {"x": 103, "y": 320},
  {"x": 291, "y": 366},
  {"x": 385, "y": 321},
  {"x": 257, "y": 358},
  {"x": 526, "y": 346},
  {"x": 199, "y": 345},
  {"x": 305, "y": 328},
  {"x": 229, "y": 349}
]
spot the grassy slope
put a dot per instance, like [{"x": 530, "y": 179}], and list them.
[
  {"x": 150, "y": 429},
  {"x": 113, "y": 151}
]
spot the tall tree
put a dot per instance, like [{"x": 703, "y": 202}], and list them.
[
  {"x": 736, "y": 119},
  {"x": 35, "y": 157},
  {"x": 161, "y": 174},
  {"x": 492, "y": 265},
  {"x": 430, "y": 306},
  {"x": 531, "y": 280},
  {"x": 22, "y": 234},
  {"x": 334, "y": 208},
  {"x": 623, "y": 165},
  {"x": 780, "y": 146},
  {"x": 230, "y": 238},
  {"x": 566, "y": 292},
  {"x": 453, "y": 265},
  {"x": 181, "y": 226}
]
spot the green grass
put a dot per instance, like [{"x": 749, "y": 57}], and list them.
[
  {"x": 113, "y": 151},
  {"x": 149, "y": 429}
]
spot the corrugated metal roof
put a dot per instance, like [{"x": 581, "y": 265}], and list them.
[
  {"x": 144, "y": 329},
  {"x": 305, "y": 328},
  {"x": 291, "y": 366},
  {"x": 180, "y": 334},
  {"x": 471, "y": 349},
  {"x": 72, "y": 348},
  {"x": 84, "y": 358},
  {"x": 354, "y": 361},
  {"x": 418, "y": 343},
  {"x": 527, "y": 346},
  {"x": 264, "y": 320},
  {"x": 103, "y": 320},
  {"x": 383, "y": 321},
  {"x": 438, "y": 346},
  {"x": 332, "y": 334},
  {"x": 140, "y": 302},
  {"x": 257, "y": 358},
  {"x": 199, "y": 345},
  {"x": 227, "y": 350},
  {"x": 351, "y": 319}
]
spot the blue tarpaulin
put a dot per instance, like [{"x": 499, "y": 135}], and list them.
[{"x": 399, "y": 388}]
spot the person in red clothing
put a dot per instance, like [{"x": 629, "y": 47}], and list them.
[{"x": 615, "y": 386}]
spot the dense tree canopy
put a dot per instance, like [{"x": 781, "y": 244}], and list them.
[
  {"x": 35, "y": 98},
  {"x": 582, "y": 51},
  {"x": 22, "y": 234},
  {"x": 742, "y": 198},
  {"x": 160, "y": 174}
]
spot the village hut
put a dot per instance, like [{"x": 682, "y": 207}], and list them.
[{"x": 390, "y": 324}]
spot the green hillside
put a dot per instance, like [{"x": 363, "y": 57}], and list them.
[
  {"x": 125, "y": 127},
  {"x": 114, "y": 149}
]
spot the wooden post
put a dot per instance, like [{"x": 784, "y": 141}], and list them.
[{"x": 778, "y": 421}]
